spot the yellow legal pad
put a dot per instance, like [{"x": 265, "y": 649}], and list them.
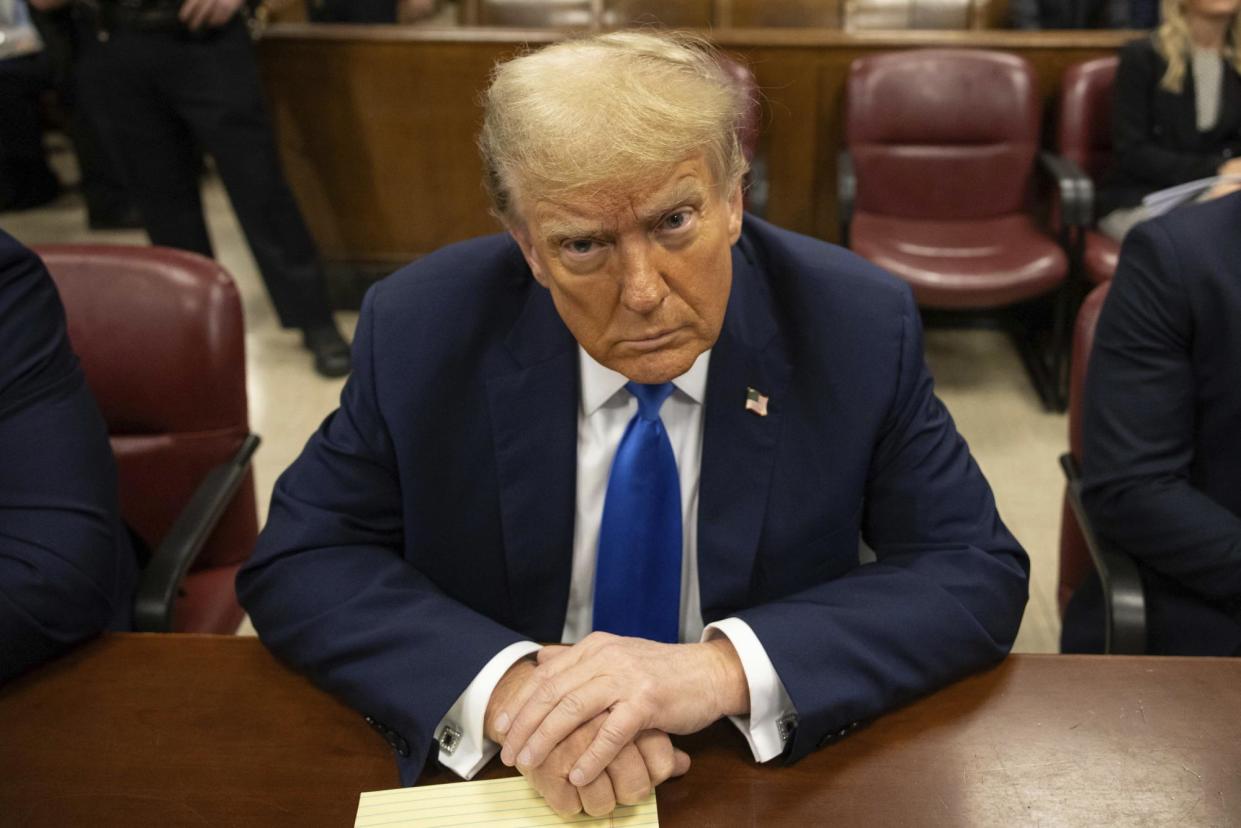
[{"x": 503, "y": 803}]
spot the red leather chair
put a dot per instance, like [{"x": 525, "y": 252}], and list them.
[
  {"x": 1080, "y": 550},
  {"x": 937, "y": 184},
  {"x": 1084, "y": 139},
  {"x": 160, "y": 337}
]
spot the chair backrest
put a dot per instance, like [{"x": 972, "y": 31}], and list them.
[
  {"x": 160, "y": 336},
  {"x": 943, "y": 133},
  {"x": 1084, "y": 126},
  {"x": 1075, "y": 563}
]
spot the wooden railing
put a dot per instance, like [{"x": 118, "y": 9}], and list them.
[{"x": 376, "y": 124}]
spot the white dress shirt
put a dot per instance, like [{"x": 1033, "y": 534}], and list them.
[{"x": 605, "y": 411}]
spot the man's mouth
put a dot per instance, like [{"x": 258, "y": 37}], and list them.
[{"x": 651, "y": 342}]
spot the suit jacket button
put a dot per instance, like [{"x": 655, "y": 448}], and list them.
[{"x": 402, "y": 747}]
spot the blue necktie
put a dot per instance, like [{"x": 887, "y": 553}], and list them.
[{"x": 638, "y": 570}]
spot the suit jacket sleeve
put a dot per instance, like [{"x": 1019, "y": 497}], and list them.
[
  {"x": 1137, "y": 154},
  {"x": 1139, "y": 426},
  {"x": 66, "y": 567},
  {"x": 330, "y": 592},
  {"x": 945, "y": 596}
]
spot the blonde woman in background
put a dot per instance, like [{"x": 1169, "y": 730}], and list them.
[{"x": 1177, "y": 113}]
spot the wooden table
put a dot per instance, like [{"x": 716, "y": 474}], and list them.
[{"x": 202, "y": 730}]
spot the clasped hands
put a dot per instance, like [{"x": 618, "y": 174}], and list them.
[{"x": 589, "y": 724}]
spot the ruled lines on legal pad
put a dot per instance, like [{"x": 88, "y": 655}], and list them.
[{"x": 497, "y": 803}]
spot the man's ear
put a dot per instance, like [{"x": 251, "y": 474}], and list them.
[
  {"x": 736, "y": 209},
  {"x": 522, "y": 236}
]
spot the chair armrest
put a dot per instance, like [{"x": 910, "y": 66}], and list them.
[
  {"x": 157, "y": 590},
  {"x": 1075, "y": 189},
  {"x": 1124, "y": 596},
  {"x": 846, "y": 193}
]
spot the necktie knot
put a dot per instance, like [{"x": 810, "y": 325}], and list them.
[{"x": 650, "y": 397}]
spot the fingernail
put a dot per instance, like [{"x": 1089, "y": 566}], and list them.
[
  {"x": 577, "y": 777},
  {"x": 502, "y": 723},
  {"x": 525, "y": 757},
  {"x": 506, "y": 756}
]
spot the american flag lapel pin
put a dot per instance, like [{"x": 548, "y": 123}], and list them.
[{"x": 755, "y": 402}]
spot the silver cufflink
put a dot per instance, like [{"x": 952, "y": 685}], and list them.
[
  {"x": 785, "y": 727},
  {"x": 449, "y": 739}
]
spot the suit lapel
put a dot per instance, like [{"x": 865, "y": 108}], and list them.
[
  {"x": 534, "y": 425},
  {"x": 739, "y": 446}
]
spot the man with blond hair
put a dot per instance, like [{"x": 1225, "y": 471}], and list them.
[{"x": 634, "y": 414}]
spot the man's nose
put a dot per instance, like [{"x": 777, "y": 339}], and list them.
[{"x": 643, "y": 287}]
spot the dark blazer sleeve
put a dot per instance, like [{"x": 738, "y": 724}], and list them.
[
  {"x": 330, "y": 592},
  {"x": 1140, "y": 412},
  {"x": 1139, "y": 156},
  {"x": 945, "y": 596},
  {"x": 67, "y": 570}
]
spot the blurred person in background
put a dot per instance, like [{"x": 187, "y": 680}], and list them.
[
  {"x": 1177, "y": 111},
  {"x": 169, "y": 79}
]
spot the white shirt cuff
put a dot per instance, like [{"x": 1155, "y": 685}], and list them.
[
  {"x": 464, "y": 749},
  {"x": 772, "y": 714}
]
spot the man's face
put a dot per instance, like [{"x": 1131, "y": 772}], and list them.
[{"x": 641, "y": 278}]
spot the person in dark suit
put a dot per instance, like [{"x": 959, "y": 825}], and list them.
[
  {"x": 635, "y": 414},
  {"x": 166, "y": 80},
  {"x": 1161, "y": 458},
  {"x": 67, "y": 570},
  {"x": 1177, "y": 109}
]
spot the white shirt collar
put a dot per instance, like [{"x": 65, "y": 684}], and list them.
[{"x": 600, "y": 384}]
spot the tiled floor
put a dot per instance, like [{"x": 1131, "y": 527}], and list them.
[{"x": 978, "y": 373}]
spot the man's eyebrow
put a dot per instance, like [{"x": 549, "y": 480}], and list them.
[
  {"x": 687, "y": 191},
  {"x": 558, "y": 230}
]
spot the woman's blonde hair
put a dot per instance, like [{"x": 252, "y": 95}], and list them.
[
  {"x": 618, "y": 108},
  {"x": 1173, "y": 43}
]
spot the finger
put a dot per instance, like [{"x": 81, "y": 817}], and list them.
[
  {"x": 198, "y": 14},
  {"x": 574, "y": 709},
  {"x": 515, "y": 703},
  {"x": 683, "y": 762},
  {"x": 560, "y": 796},
  {"x": 220, "y": 14},
  {"x": 544, "y": 690},
  {"x": 663, "y": 761},
  {"x": 657, "y": 753},
  {"x": 618, "y": 729},
  {"x": 631, "y": 781},
  {"x": 598, "y": 798}
]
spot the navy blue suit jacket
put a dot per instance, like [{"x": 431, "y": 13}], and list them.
[
  {"x": 67, "y": 570},
  {"x": 1161, "y": 456},
  {"x": 429, "y": 522}
]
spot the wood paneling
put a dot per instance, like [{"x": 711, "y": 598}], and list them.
[{"x": 376, "y": 124}]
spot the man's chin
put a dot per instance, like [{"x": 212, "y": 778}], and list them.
[{"x": 652, "y": 369}]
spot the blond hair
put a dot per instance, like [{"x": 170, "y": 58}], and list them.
[
  {"x": 618, "y": 108},
  {"x": 1173, "y": 43}
]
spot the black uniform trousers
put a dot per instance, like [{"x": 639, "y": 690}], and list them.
[{"x": 165, "y": 96}]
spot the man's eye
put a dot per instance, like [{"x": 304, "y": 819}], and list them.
[
  {"x": 580, "y": 247},
  {"x": 677, "y": 220}
]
